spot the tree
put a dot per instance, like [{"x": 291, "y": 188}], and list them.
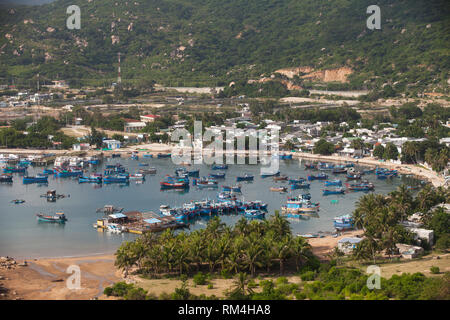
[
  {"x": 378, "y": 151},
  {"x": 323, "y": 147},
  {"x": 391, "y": 152}
]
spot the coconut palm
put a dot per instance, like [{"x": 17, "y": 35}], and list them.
[
  {"x": 282, "y": 251},
  {"x": 301, "y": 250}
]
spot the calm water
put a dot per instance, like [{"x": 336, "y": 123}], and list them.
[{"x": 22, "y": 236}]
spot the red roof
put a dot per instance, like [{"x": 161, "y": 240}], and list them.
[{"x": 151, "y": 116}]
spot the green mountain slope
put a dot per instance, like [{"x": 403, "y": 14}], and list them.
[{"x": 210, "y": 42}]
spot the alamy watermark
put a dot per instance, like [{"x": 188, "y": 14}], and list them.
[
  {"x": 374, "y": 280},
  {"x": 374, "y": 21},
  {"x": 73, "y": 282},
  {"x": 74, "y": 20},
  {"x": 238, "y": 144}
]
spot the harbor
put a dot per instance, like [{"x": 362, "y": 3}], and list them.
[{"x": 227, "y": 190}]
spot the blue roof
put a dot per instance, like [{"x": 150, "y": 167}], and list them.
[
  {"x": 350, "y": 240},
  {"x": 117, "y": 215},
  {"x": 152, "y": 220}
]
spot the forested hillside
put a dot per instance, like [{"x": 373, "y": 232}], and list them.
[{"x": 213, "y": 42}]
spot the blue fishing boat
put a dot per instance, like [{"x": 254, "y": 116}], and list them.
[
  {"x": 18, "y": 201},
  {"x": 205, "y": 183},
  {"x": 143, "y": 164},
  {"x": 170, "y": 182},
  {"x": 353, "y": 176},
  {"x": 39, "y": 178},
  {"x": 220, "y": 175},
  {"x": 116, "y": 155},
  {"x": 310, "y": 166},
  {"x": 285, "y": 156},
  {"x": 254, "y": 214},
  {"x": 245, "y": 177},
  {"x": 220, "y": 167},
  {"x": 369, "y": 171},
  {"x": 326, "y": 192},
  {"x": 16, "y": 169},
  {"x": 339, "y": 170},
  {"x": 349, "y": 165},
  {"x": 325, "y": 166},
  {"x": 134, "y": 157},
  {"x": 360, "y": 187},
  {"x": 93, "y": 178},
  {"x": 344, "y": 222},
  {"x": 147, "y": 155},
  {"x": 333, "y": 183},
  {"x": 194, "y": 173},
  {"x": 235, "y": 189},
  {"x": 117, "y": 178},
  {"x": 301, "y": 185},
  {"x": 48, "y": 171},
  {"x": 163, "y": 155},
  {"x": 320, "y": 176},
  {"x": 298, "y": 180}
]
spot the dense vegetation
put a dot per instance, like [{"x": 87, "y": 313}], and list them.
[
  {"x": 212, "y": 42},
  {"x": 44, "y": 133}
]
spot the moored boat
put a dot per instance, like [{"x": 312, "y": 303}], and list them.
[
  {"x": 6, "y": 178},
  {"x": 320, "y": 176},
  {"x": 333, "y": 183},
  {"x": 245, "y": 177},
  {"x": 326, "y": 192},
  {"x": 278, "y": 189},
  {"x": 59, "y": 217},
  {"x": 39, "y": 178},
  {"x": 343, "y": 222}
]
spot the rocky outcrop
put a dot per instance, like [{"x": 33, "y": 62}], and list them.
[{"x": 328, "y": 75}]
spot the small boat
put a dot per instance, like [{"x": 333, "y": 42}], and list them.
[
  {"x": 218, "y": 175},
  {"x": 116, "y": 155},
  {"x": 369, "y": 171},
  {"x": 143, "y": 164},
  {"x": 343, "y": 222},
  {"x": 339, "y": 171},
  {"x": 137, "y": 176},
  {"x": 236, "y": 189},
  {"x": 280, "y": 178},
  {"x": 16, "y": 169},
  {"x": 310, "y": 166},
  {"x": 116, "y": 178},
  {"x": 93, "y": 178},
  {"x": 326, "y": 192},
  {"x": 254, "y": 214},
  {"x": 18, "y": 201},
  {"x": 6, "y": 178},
  {"x": 355, "y": 176},
  {"x": 302, "y": 185},
  {"x": 220, "y": 167},
  {"x": 333, "y": 183},
  {"x": 147, "y": 155},
  {"x": 59, "y": 217},
  {"x": 193, "y": 173},
  {"x": 39, "y": 178},
  {"x": 298, "y": 180},
  {"x": 205, "y": 183},
  {"x": 325, "y": 166},
  {"x": 245, "y": 177},
  {"x": 114, "y": 228},
  {"x": 265, "y": 175},
  {"x": 163, "y": 155},
  {"x": 278, "y": 189},
  {"x": 285, "y": 156},
  {"x": 48, "y": 171},
  {"x": 170, "y": 182},
  {"x": 360, "y": 187},
  {"x": 320, "y": 176}
]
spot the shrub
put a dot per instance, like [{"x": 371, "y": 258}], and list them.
[
  {"x": 210, "y": 286},
  {"x": 308, "y": 276},
  {"x": 225, "y": 274},
  {"x": 200, "y": 279},
  {"x": 434, "y": 270},
  {"x": 136, "y": 294}
]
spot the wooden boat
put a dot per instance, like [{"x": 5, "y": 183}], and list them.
[
  {"x": 137, "y": 176},
  {"x": 163, "y": 155},
  {"x": 360, "y": 187},
  {"x": 254, "y": 214},
  {"x": 355, "y": 176},
  {"x": 116, "y": 178},
  {"x": 147, "y": 156},
  {"x": 285, "y": 156},
  {"x": 217, "y": 175},
  {"x": 93, "y": 178},
  {"x": 59, "y": 217},
  {"x": 302, "y": 185},
  {"x": 339, "y": 171},
  {"x": 278, "y": 189},
  {"x": 16, "y": 169},
  {"x": 310, "y": 166},
  {"x": 246, "y": 177},
  {"x": 320, "y": 176},
  {"x": 344, "y": 222},
  {"x": 174, "y": 183},
  {"x": 18, "y": 201},
  {"x": 150, "y": 170},
  {"x": 205, "y": 183}
]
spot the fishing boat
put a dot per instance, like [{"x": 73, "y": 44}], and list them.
[
  {"x": 385, "y": 176},
  {"x": 226, "y": 196},
  {"x": 59, "y": 217},
  {"x": 116, "y": 155},
  {"x": 278, "y": 189},
  {"x": 48, "y": 171},
  {"x": 333, "y": 183},
  {"x": 205, "y": 183},
  {"x": 39, "y": 178},
  {"x": 166, "y": 210},
  {"x": 245, "y": 177},
  {"x": 254, "y": 214},
  {"x": 218, "y": 175},
  {"x": 116, "y": 178},
  {"x": 93, "y": 160},
  {"x": 114, "y": 228},
  {"x": 325, "y": 166},
  {"x": 135, "y": 156},
  {"x": 64, "y": 173},
  {"x": 170, "y": 182},
  {"x": 326, "y": 192},
  {"x": 285, "y": 156},
  {"x": 18, "y": 201},
  {"x": 349, "y": 165},
  {"x": 180, "y": 172},
  {"x": 360, "y": 187},
  {"x": 16, "y": 169},
  {"x": 297, "y": 180},
  {"x": 137, "y": 176},
  {"x": 343, "y": 222},
  {"x": 280, "y": 178},
  {"x": 163, "y": 155},
  {"x": 6, "y": 178},
  {"x": 369, "y": 171},
  {"x": 141, "y": 164},
  {"x": 339, "y": 171},
  {"x": 300, "y": 204},
  {"x": 310, "y": 166},
  {"x": 220, "y": 167},
  {"x": 236, "y": 189},
  {"x": 355, "y": 176},
  {"x": 93, "y": 178},
  {"x": 302, "y": 185},
  {"x": 320, "y": 176},
  {"x": 265, "y": 175},
  {"x": 147, "y": 155}
]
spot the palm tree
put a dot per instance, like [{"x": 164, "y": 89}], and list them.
[
  {"x": 241, "y": 288},
  {"x": 280, "y": 225},
  {"x": 301, "y": 250},
  {"x": 282, "y": 251},
  {"x": 197, "y": 246},
  {"x": 252, "y": 255},
  {"x": 125, "y": 257}
]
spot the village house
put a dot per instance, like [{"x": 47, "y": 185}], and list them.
[
  {"x": 132, "y": 125},
  {"x": 149, "y": 118},
  {"x": 347, "y": 245}
]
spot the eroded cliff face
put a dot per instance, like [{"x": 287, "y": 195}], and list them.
[{"x": 328, "y": 75}]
